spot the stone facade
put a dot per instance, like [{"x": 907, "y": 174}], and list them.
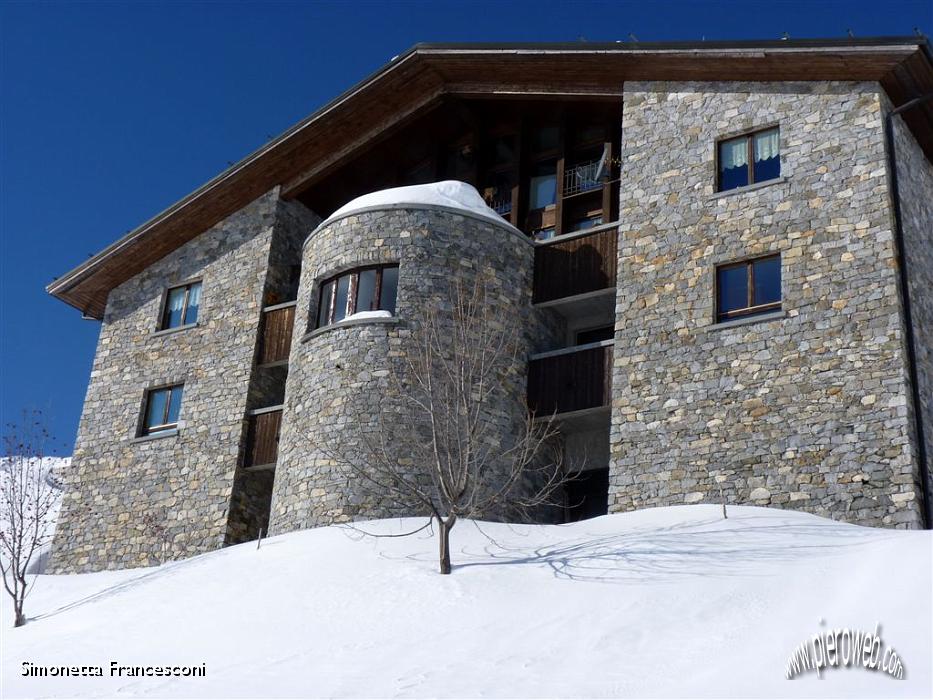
[
  {"x": 123, "y": 489},
  {"x": 806, "y": 410},
  {"x": 340, "y": 373}
]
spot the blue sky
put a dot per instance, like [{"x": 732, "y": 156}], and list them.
[{"x": 111, "y": 111}]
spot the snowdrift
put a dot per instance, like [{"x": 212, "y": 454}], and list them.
[{"x": 662, "y": 602}]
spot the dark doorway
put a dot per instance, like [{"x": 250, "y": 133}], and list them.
[{"x": 587, "y": 495}]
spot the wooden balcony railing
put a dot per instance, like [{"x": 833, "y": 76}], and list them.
[
  {"x": 571, "y": 380},
  {"x": 276, "y": 338},
  {"x": 262, "y": 437},
  {"x": 585, "y": 263}
]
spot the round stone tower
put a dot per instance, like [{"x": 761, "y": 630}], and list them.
[{"x": 441, "y": 237}]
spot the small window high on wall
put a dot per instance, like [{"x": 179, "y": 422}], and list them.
[
  {"x": 748, "y": 288},
  {"x": 365, "y": 289},
  {"x": 163, "y": 406},
  {"x": 754, "y": 157},
  {"x": 181, "y": 306}
]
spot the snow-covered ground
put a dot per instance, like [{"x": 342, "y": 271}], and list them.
[{"x": 661, "y": 602}]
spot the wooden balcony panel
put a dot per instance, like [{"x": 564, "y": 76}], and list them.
[
  {"x": 573, "y": 381},
  {"x": 576, "y": 266},
  {"x": 276, "y": 341},
  {"x": 262, "y": 439}
]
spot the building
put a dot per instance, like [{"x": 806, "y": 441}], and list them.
[{"x": 720, "y": 254}]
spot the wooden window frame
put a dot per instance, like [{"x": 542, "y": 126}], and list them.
[
  {"x": 749, "y": 137},
  {"x": 165, "y": 426},
  {"x": 751, "y": 309},
  {"x": 352, "y": 287},
  {"x": 163, "y": 317}
]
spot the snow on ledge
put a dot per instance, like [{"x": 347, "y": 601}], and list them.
[
  {"x": 451, "y": 194},
  {"x": 363, "y": 315}
]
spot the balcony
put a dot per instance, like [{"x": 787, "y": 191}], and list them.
[
  {"x": 575, "y": 264},
  {"x": 276, "y": 334},
  {"x": 571, "y": 379},
  {"x": 262, "y": 438}
]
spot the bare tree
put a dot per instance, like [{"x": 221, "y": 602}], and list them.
[
  {"x": 436, "y": 445},
  {"x": 29, "y": 493}
]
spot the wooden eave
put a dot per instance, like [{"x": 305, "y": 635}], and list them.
[{"x": 415, "y": 81}]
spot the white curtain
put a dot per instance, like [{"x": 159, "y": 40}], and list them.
[
  {"x": 767, "y": 145},
  {"x": 734, "y": 154},
  {"x": 194, "y": 296},
  {"x": 176, "y": 301}
]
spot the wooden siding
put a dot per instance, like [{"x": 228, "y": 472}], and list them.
[
  {"x": 570, "y": 382},
  {"x": 262, "y": 439},
  {"x": 576, "y": 266},
  {"x": 276, "y": 339}
]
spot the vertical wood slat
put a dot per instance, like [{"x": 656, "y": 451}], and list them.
[
  {"x": 579, "y": 265},
  {"x": 570, "y": 382},
  {"x": 263, "y": 438},
  {"x": 276, "y": 334}
]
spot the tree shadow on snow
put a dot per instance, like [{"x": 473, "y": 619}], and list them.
[{"x": 669, "y": 553}]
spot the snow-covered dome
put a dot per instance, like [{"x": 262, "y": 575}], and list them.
[{"x": 451, "y": 194}]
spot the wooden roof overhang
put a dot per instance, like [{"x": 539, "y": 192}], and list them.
[{"x": 414, "y": 82}]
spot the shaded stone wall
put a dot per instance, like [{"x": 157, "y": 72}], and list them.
[
  {"x": 809, "y": 410},
  {"x": 181, "y": 482},
  {"x": 339, "y": 371},
  {"x": 915, "y": 182}
]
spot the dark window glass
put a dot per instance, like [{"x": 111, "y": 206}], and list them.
[
  {"x": 373, "y": 288},
  {"x": 340, "y": 298},
  {"x": 181, "y": 306},
  {"x": 733, "y": 289},
  {"x": 389, "y": 289},
  {"x": 748, "y": 288},
  {"x": 323, "y": 312},
  {"x": 366, "y": 291},
  {"x": 767, "y": 275},
  {"x": 174, "y": 405},
  {"x": 762, "y": 147},
  {"x": 543, "y": 186},
  {"x": 163, "y": 407}
]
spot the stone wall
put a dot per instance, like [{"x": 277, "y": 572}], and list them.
[
  {"x": 808, "y": 410},
  {"x": 915, "y": 183},
  {"x": 123, "y": 489},
  {"x": 341, "y": 374}
]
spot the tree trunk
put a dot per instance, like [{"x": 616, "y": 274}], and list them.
[
  {"x": 444, "y": 542},
  {"x": 20, "y": 617}
]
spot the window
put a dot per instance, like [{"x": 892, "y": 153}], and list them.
[
  {"x": 162, "y": 408},
  {"x": 748, "y": 288},
  {"x": 367, "y": 289},
  {"x": 748, "y": 159},
  {"x": 181, "y": 306},
  {"x": 543, "y": 191}
]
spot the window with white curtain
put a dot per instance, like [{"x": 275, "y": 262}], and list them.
[
  {"x": 181, "y": 306},
  {"x": 745, "y": 160}
]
